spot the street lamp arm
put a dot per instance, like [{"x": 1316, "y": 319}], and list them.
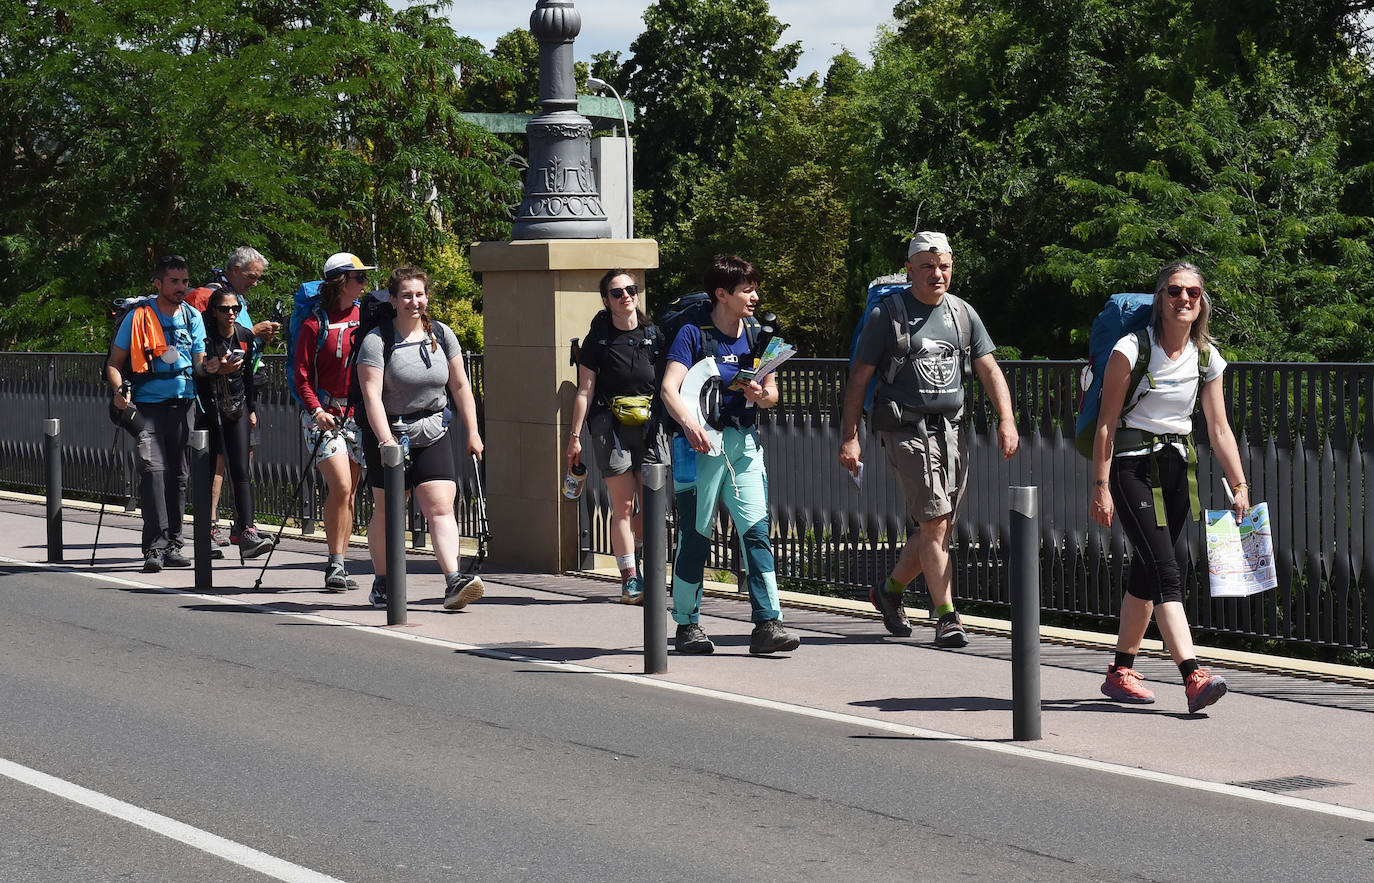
[{"x": 601, "y": 85}]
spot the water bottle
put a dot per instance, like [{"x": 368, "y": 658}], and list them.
[
  {"x": 575, "y": 481},
  {"x": 403, "y": 439}
]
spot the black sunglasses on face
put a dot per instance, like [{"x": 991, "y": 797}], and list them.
[
  {"x": 631, "y": 290},
  {"x": 228, "y": 308}
]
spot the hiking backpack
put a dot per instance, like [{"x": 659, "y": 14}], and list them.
[
  {"x": 305, "y": 304},
  {"x": 1121, "y": 315},
  {"x": 888, "y": 290},
  {"x": 374, "y": 311},
  {"x": 122, "y": 307},
  {"x": 689, "y": 309}
]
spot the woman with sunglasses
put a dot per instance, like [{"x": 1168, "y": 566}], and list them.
[
  {"x": 404, "y": 367},
  {"x": 615, "y": 382},
  {"x": 229, "y": 396},
  {"x": 321, "y": 378},
  {"x": 1143, "y": 466}
]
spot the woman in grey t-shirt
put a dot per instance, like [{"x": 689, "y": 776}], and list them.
[{"x": 403, "y": 396}]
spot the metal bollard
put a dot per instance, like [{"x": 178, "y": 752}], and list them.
[
  {"x": 394, "y": 490},
  {"x": 202, "y": 474},
  {"x": 1025, "y": 613},
  {"x": 52, "y": 458},
  {"x": 655, "y": 503}
]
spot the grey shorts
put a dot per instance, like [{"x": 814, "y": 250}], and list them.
[
  {"x": 619, "y": 449},
  {"x": 932, "y": 470}
]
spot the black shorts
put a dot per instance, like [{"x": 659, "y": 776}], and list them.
[{"x": 430, "y": 463}]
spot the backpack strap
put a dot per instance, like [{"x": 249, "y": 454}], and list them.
[
  {"x": 957, "y": 308},
  {"x": 895, "y": 305},
  {"x": 1135, "y": 439}
]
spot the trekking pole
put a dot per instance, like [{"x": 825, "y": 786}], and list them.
[
  {"x": 310, "y": 464},
  {"x": 124, "y": 390},
  {"x": 483, "y": 526}
]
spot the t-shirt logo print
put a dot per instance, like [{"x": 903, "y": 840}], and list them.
[{"x": 935, "y": 362}]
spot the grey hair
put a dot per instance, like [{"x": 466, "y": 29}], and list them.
[
  {"x": 1198, "y": 333},
  {"x": 245, "y": 256}
]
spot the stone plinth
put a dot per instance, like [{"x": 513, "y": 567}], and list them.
[{"x": 537, "y": 295}]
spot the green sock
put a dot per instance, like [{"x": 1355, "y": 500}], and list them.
[
  {"x": 893, "y": 587},
  {"x": 942, "y": 609}
]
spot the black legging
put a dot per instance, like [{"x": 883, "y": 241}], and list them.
[
  {"x": 235, "y": 447},
  {"x": 1154, "y": 568}
]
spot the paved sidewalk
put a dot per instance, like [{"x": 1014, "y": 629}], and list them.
[{"x": 1280, "y": 733}]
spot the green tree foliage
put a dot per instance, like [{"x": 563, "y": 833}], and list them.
[
  {"x": 510, "y": 84},
  {"x": 1072, "y": 148},
  {"x": 784, "y": 201},
  {"x": 700, "y": 71},
  {"x": 132, "y": 128}
]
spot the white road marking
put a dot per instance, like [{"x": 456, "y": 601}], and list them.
[
  {"x": 1284, "y": 800},
  {"x": 278, "y": 869}
]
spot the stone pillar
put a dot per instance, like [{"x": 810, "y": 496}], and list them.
[{"x": 537, "y": 295}]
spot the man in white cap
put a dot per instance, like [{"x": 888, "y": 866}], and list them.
[{"x": 921, "y": 342}]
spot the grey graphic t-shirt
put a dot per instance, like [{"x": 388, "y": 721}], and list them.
[{"x": 931, "y": 381}]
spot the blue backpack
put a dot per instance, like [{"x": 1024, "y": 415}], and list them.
[
  {"x": 305, "y": 304},
  {"x": 1123, "y": 314}
]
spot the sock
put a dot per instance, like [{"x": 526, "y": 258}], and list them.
[
  {"x": 1123, "y": 660},
  {"x": 893, "y": 587},
  {"x": 1187, "y": 667},
  {"x": 943, "y": 609},
  {"x": 626, "y": 564},
  {"x": 336, "y": 558},
  {"x": 450, "y": 577}
]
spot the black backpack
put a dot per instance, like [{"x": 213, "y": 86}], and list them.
[
  {"x": 373, "y": 312},
  {"x": 602, "y": 332},
  {"x": 688, "y": 309}
]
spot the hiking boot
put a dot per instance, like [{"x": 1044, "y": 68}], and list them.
[
  {"x": 949, "y": 631},
  {"x": 252, "y": 544},
  {"x": 691, "y": 638},
  {"x": 770, "y": 637},
  {"x": 152, "y": 561},
  {"x": 632, "y": 592},
  {"x": 377, "y": 597},
  {"x": 219, "y": 537},
  {"x": 890, "y": 606},
  {"x": 172, "y": 557},
  {"x": 1202, "y": 689},
  {"x": 216, "y": 553},
  {"x": 336, "y": 578},
  {"x": 462, "y": 590},
  {"x": 1125, "y": 685}
]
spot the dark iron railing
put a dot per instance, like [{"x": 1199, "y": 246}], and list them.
[
  {"x": 1305, "y": 433},
  {"x": 98, "y": 462}
]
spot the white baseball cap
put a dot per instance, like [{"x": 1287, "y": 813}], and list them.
[
  {"x": 928, "y": 240},
  {"x": 342, "y": 263}
]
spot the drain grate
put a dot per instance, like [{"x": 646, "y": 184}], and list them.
[{"x": 1288, "y": 783}]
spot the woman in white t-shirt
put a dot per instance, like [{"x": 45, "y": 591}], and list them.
[{"x": 1147, "y": 446}]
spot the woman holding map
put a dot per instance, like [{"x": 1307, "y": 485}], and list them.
[{"x": 1142, "y": 470}]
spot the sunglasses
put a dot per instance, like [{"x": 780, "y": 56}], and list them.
[
  {"x": 228, "y": 309},
  {"x": 631, "y": 290},
  {"x": 1193, "y": 291},
  {"x": 356, "y": 276}
]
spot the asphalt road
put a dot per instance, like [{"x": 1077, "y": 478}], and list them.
[{"x": 360, "y": 756}]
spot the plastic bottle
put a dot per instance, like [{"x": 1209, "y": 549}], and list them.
[{"x": 575, "y": 481}]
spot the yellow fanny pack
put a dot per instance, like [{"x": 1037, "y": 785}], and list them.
[{"x": 630, "y": 410}]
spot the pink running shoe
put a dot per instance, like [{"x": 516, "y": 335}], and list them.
[
  {"x": 1126, "y": 685},
  {"x": 1202, "y": 689}
]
